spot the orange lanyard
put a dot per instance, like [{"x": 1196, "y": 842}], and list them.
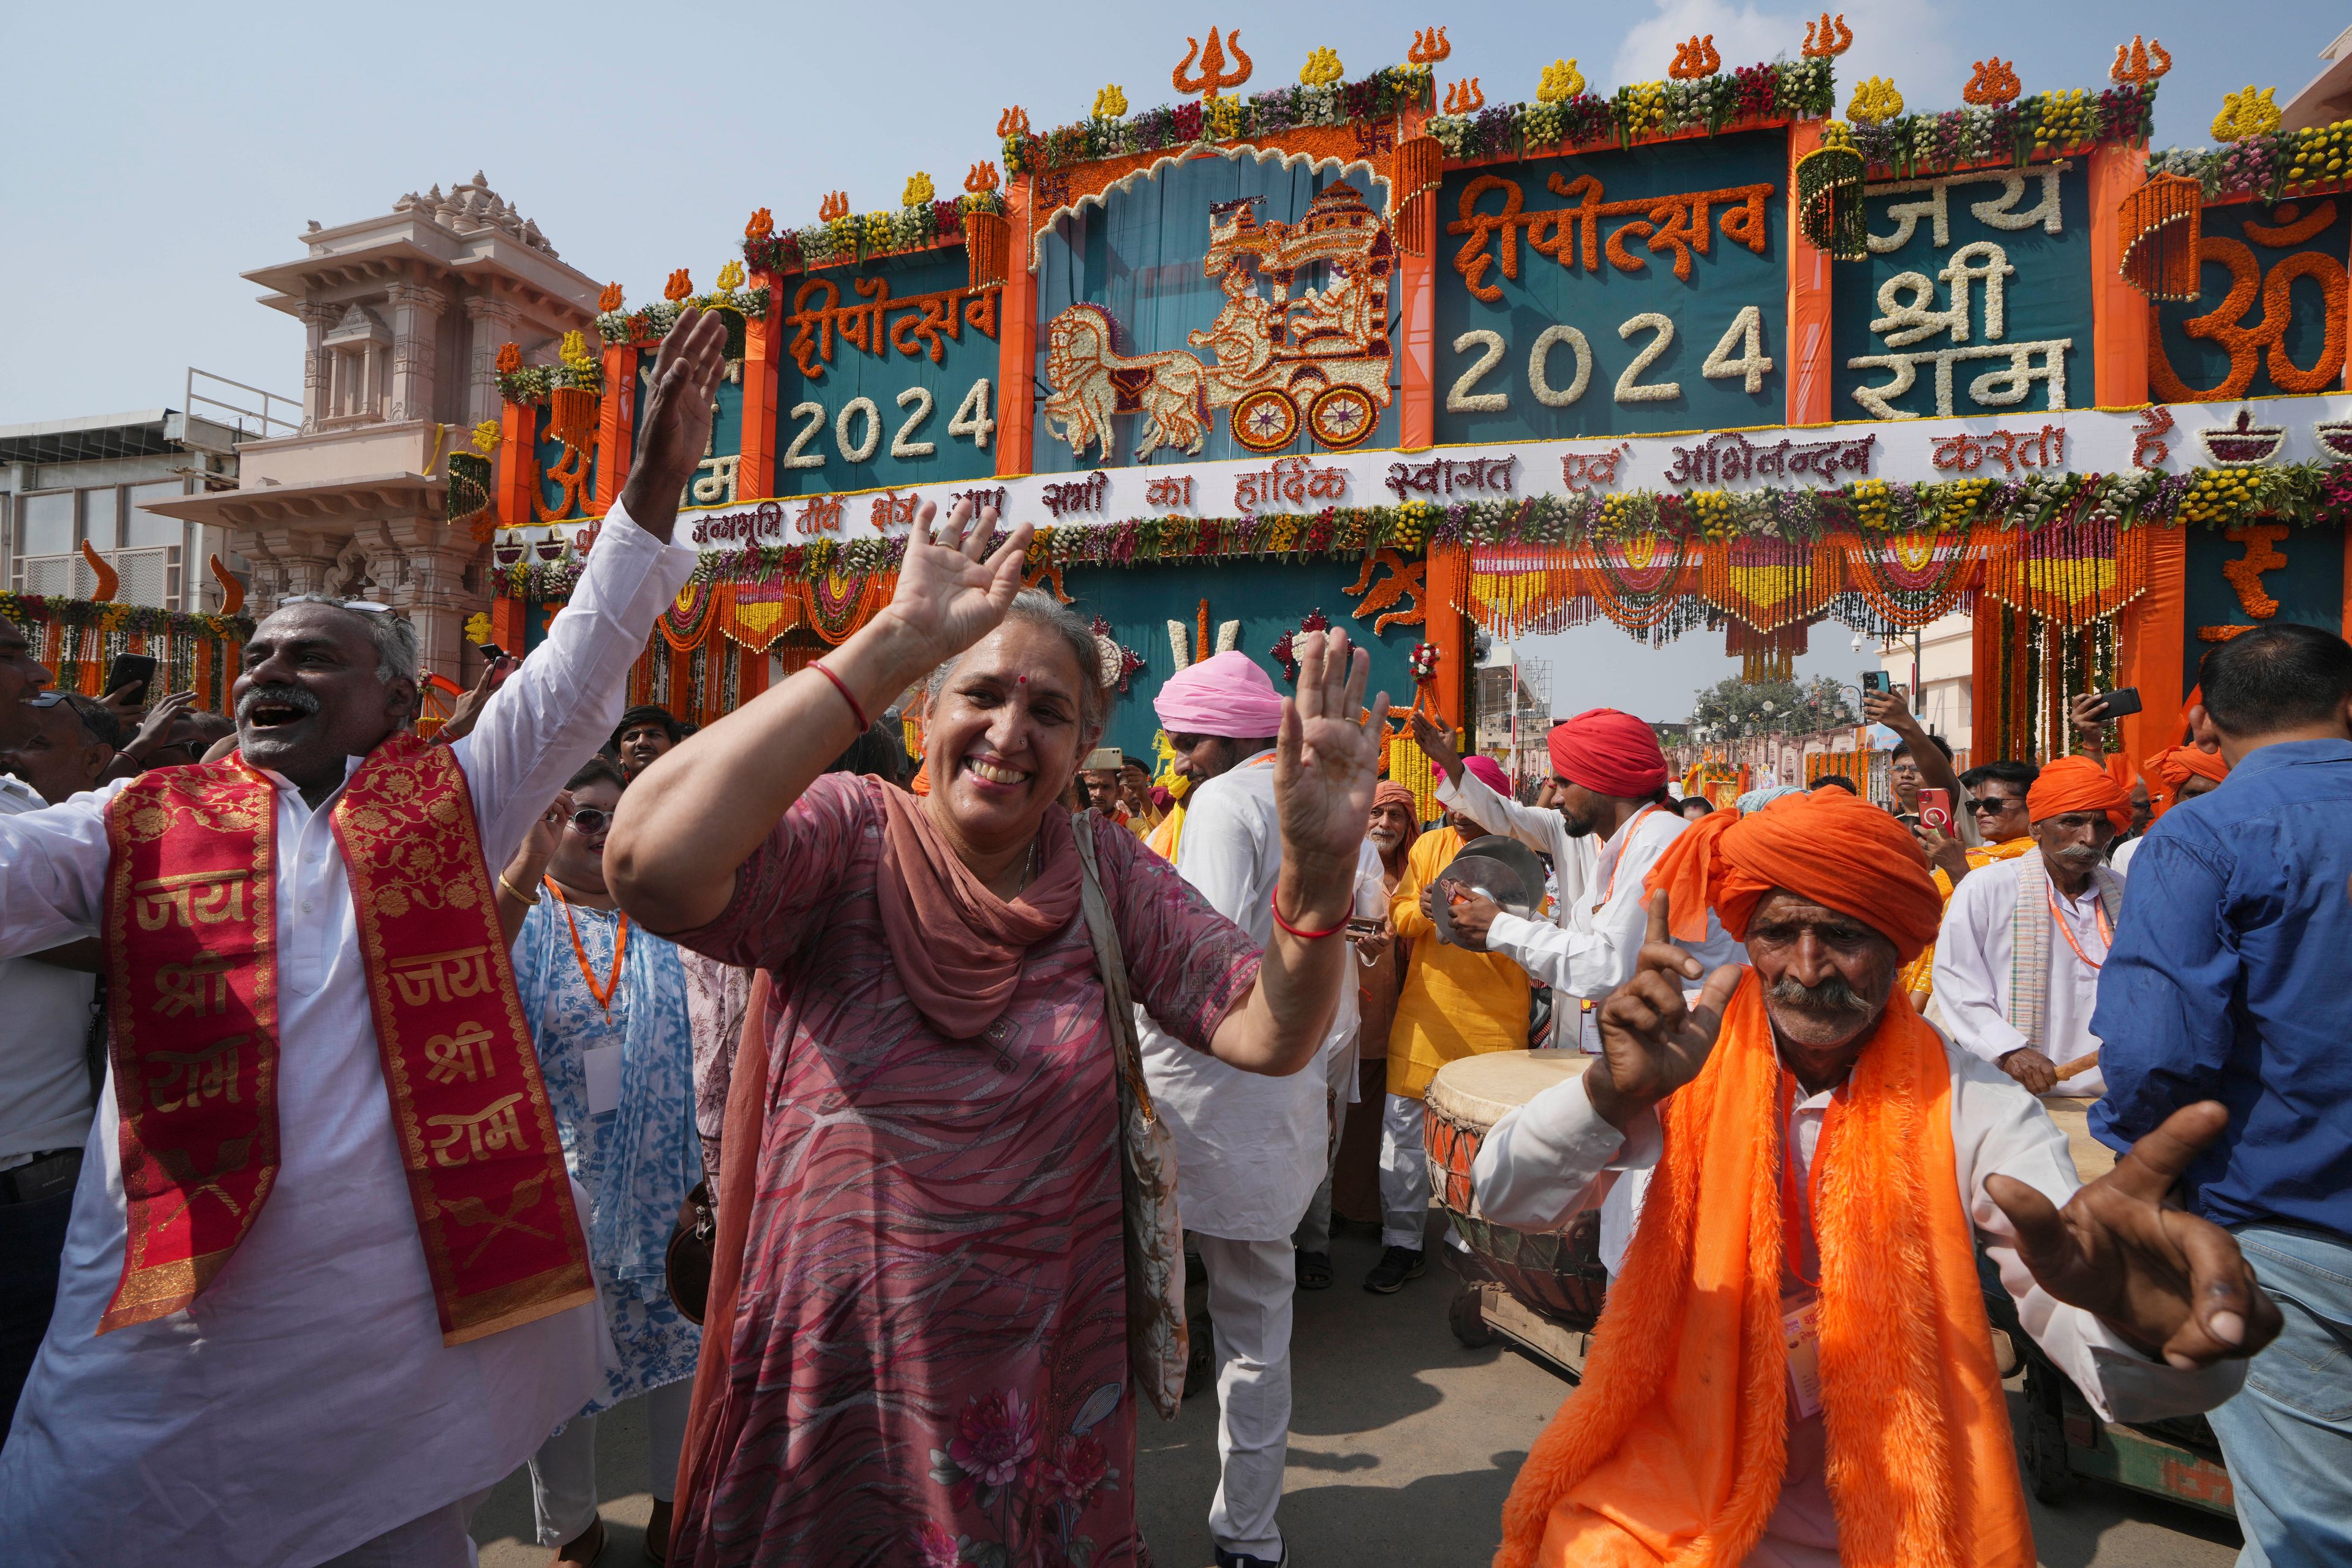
[
  {"x": 2098, "y": 918},
  {"x": 1795, "y": 1221},
  {"x": 1622, "y": 853},
  {"x": 603, "y": 994}
]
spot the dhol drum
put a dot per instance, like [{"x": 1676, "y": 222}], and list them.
[{"x": 1558, "y": 1276}]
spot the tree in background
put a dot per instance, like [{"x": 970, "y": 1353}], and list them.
[{"x": 1735, "y": 709}]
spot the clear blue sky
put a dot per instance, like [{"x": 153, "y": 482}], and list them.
[{"x": 156, "y": 152}]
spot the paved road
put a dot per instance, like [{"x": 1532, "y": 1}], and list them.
[{"x": 1402, "y": 1447}]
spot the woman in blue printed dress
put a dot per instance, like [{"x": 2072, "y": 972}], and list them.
[{"x": 606, "y": 1004}]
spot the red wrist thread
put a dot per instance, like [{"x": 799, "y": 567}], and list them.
[
  {"x": 841, "y": 686},
  {"x": 1275, "y": 903}
]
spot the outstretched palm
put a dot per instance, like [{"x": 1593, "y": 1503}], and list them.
[
  {"x": 952, "y": 591},
  {"x": 1653, "y": 1039},
  {"x": 1327, "y": 757}
]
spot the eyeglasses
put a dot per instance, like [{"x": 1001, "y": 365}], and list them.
[
  {"x": 46, "y": 699},
  {"x": 1994, "y": 804},
  {"x": 591, "y": 819}
]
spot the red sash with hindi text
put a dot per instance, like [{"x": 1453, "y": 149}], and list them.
[{"x": 193, "y": 989}]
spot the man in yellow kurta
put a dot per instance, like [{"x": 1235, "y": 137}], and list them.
[
  {"x": 1996, "y": 799},
  {"x": 1455, "y": 1003}
]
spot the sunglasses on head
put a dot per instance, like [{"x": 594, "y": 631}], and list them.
[
  {"x": 46, "y": 699},
  {"x": 591, "y": 819}
]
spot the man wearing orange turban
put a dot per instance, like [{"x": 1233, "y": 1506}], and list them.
[
  {"x": 1794, "y": 1367},
  {"x": 2181, "y": 774},
  {"x": 2016, "y": 962}
]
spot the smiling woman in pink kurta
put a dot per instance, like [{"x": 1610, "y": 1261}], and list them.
[{"x": 928, "y": 1359}]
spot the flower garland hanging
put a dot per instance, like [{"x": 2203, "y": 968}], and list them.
[{"x": 1674, "y": 526}]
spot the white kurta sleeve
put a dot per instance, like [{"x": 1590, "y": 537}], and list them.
[
  {"x": 1573, "y": 963},
  {"x": 1551, "y": 1158},
  {"x": 1967, "y": 987},
  {"x": 554, "y": 712},
  {"x": 1998, "y": 1128},
  {"x": 53, "y": 873}
]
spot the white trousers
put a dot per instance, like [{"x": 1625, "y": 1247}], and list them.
[
  {"x": 436, "y": 1540},
  {"x": 563, "y": 1471},
  {"x": 1313, "y": 1232},
  {"x": 1404, "y": 1172},
  {"x": 1250, "y": 1288}
]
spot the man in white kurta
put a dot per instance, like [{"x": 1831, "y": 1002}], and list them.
[
  {"x": 1588, "y": 946},
  {"x": 305, "y": 1403},
  {"x": 2018, "y": 959},
  {"x": 1250, "y": 1149}
]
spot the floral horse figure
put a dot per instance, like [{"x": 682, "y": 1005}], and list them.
[{"x": 1092, "y": 381}]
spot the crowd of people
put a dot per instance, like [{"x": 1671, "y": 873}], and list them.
[{"x": 363, "y": 1094}]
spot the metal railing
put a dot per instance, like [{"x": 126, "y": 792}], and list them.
[
  {"x": 266, "y": 424},
  {"x": 150, "y": 575}
]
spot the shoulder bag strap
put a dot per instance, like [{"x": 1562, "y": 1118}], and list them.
[{"x": 1104, "y": 933}]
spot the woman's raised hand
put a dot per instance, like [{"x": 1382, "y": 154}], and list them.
[
  {"x": 952, "y": 591},
  {"x": 1328, "y": 759}
]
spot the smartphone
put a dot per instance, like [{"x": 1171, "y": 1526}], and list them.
[
  {"x": 130, "y": 670},
  {"x": 2122, "y": 700},
  {"x": 490, "y": 650},
  {"x": 1936, "y": 810},
  {"x": 1877, "y": 680}
]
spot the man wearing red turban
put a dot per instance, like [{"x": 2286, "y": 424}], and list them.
[
  {"x": 1795, "y": 1369},
  {"x": 2017, "y": 963},
  {"x": 1611, "y": 776}
]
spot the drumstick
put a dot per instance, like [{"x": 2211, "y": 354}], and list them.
[{"x": 2080, "y": 1065}]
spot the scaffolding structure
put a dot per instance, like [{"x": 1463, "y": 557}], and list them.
[{"x": 1514, "y": 716}]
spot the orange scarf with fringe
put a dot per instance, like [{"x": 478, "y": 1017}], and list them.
[{"x": 1672, "y": 1450}]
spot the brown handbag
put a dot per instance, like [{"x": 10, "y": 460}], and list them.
[{"x": 686, "y": 1267}]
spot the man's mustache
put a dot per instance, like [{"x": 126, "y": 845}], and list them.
[
  {"x": 292, "y": 697},
  {"x": 1832, "y": 995}
]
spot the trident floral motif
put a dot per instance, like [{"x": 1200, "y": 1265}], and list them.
[
  {"x": 1322, "y": 68},
  {"x": 1695, "y": 58},
  {"x": 1874, "y": 99},
  {"x": 1429, "y": 46},
  {"x": 1212, "y": 73},
  {"x": 834, "y": 205},
  {"x": 2246, "y": 114},
  {"x": 761, "y": 224},
  {"x": 1561, "y": 81},
  {"x": 2137, "y": 64},
  {"x": 1995, "y": 82},
  {"x": 1464, "y": 97},
  {"x": 679, "y": 287},
  {"x": 982, "y": 177},
  {"x": 1013, "y": 121},
  {"x": 1110, "y": 104},
  {"x": 1826, "y": 38},
  {"x": 610, "y": 297}
]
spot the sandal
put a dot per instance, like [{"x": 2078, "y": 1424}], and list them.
[
  {"x": 578, "y": 1551},
  {"x": 1314, "y": 1271}
]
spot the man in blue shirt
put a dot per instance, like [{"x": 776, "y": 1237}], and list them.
[{"x": 2231, "y": 979}]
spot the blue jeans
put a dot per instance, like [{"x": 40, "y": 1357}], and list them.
[
  {"x": 32, "y": 1241},
  {"x": 2288, "y": 1437}
]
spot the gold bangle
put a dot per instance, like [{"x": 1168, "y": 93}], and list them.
[{"x": 530, "y": 899}]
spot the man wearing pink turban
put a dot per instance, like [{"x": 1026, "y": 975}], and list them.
[
  {"x": 1250, "y": 1149},
  {"x": 1611, "y": 823}
]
